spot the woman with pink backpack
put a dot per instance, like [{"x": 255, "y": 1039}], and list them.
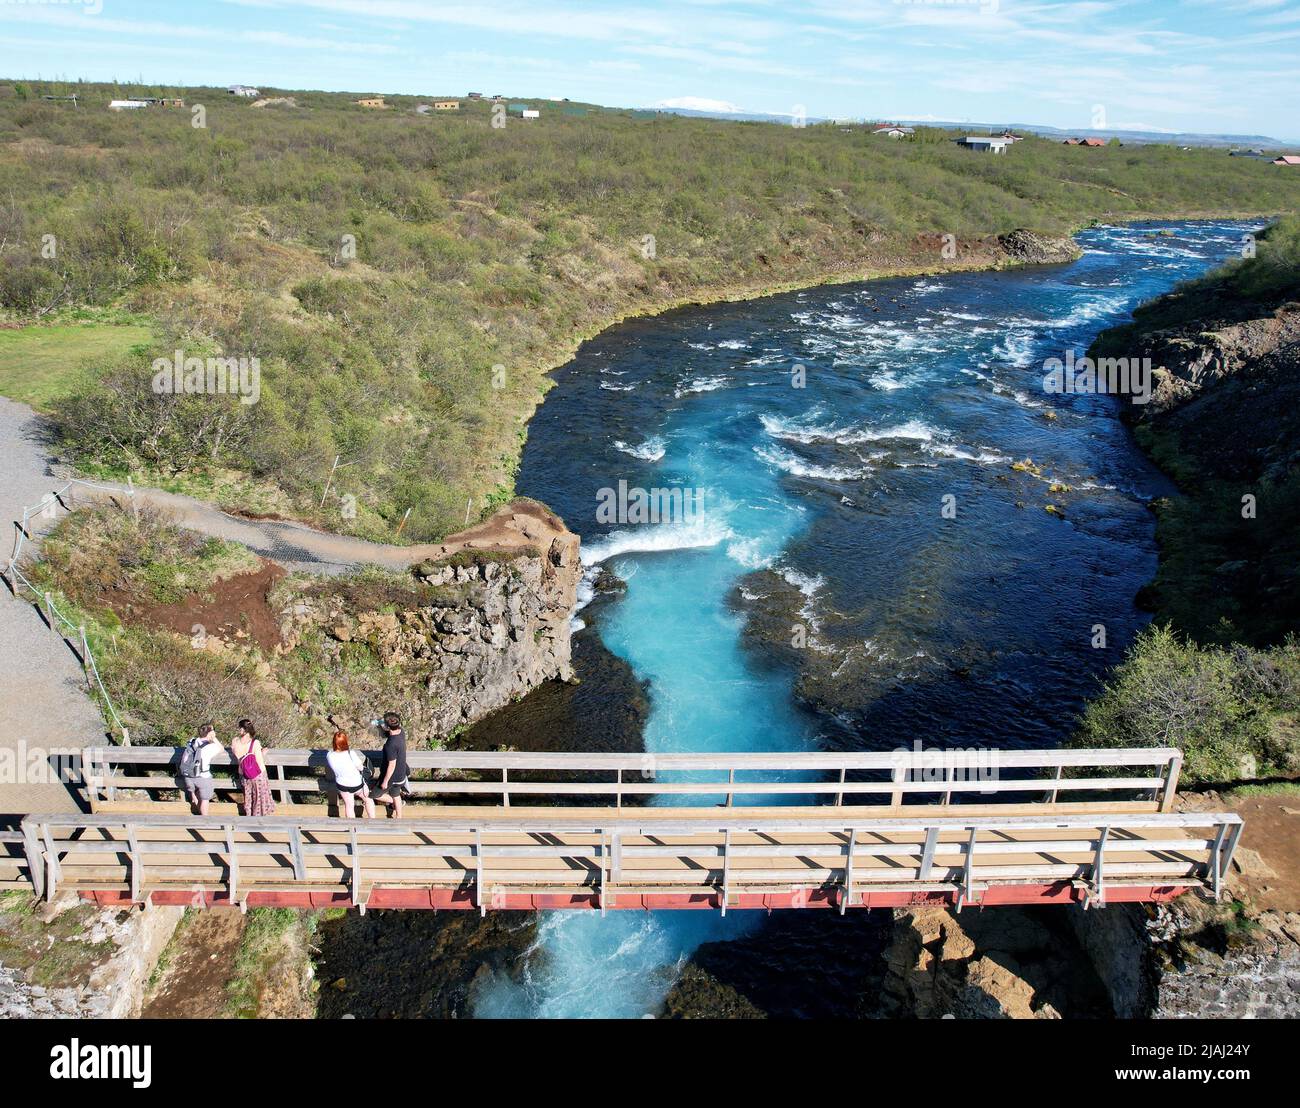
[{"x": 247, "y": 750}]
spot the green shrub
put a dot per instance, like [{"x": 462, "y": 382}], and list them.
[{"x": 1227, "y": 709}]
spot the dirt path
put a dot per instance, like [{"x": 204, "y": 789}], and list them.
[
  {"x": 193, "y": 986},
  {"x": 1266, "y": 865},
  {"x": 297, "y": 546}
]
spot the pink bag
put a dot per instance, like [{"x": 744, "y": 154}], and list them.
[{"x": 248, "y": 767}]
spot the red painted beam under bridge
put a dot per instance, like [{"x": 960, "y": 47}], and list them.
[{"x": 1059, "y": 892}]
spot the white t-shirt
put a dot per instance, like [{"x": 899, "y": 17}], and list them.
[
  {"x": 207, "y": 751},
  {"x": 343, "y": 764}
]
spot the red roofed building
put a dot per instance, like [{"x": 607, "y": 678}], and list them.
[{"x": 1287, "y": 159}]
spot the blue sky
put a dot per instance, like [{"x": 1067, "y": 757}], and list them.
[{"x": 1196, "y": 65}]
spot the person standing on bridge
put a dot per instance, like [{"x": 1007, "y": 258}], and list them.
[
  {"x": 394, "y": 773},
  {"x": 251, "y": 760},
  {"x": 348, "y": 765},
  {"x": 196, "y": 767}
]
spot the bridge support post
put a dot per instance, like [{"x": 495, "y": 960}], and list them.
[
  {"x": 35, "y": 860},
  {"x": 847, "y": 898},
  {"x": 927, "y": 853},
  {"x": 899, "y": 776},
  {"x": 232, "y": 864},
  {"x": 137, "y": 877},
  {"x": 1170, "y": 791},
  {"x": 355, "y": 862},
  {"x": 295, "y": 847},
  {"x": 968, "y": 872},
  {"x": 604, "y": 867},
  {"x": 1216, "y": 862},
  {"x": 52, "y": 872},
  {"x": 478, "y": 873},
  {"x": 726, "y": 869}
]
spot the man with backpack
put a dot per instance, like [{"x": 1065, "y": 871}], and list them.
[
  {"x": 196, "y": 767},
  {"x": 394, "y": 772}
]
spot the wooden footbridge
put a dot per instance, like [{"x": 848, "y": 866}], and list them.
[{"x": 614, "y": 831}]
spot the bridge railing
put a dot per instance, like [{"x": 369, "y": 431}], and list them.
[
  {"x": 113, "y": 776},
  {"x": 729, "y": 858}
]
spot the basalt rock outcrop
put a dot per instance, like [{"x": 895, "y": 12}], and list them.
[
  {"x": 1011, "y": 963},
  {"x": 477, "y": 626},
  {"x": 1032, "y": 248},
  {"x": 1225, "y": 379},
  {"x": 1224, "y": 421}
]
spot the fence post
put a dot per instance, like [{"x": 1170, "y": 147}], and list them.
[
  {"x": 130, "y": 492},
  {"x": 285, "y": 795},
  {"x": 35, "y": 863},
  {"x": 899, "y": 775},
  {"x": 1170, "y": 791},
  {"x": 85, "y": 660}
]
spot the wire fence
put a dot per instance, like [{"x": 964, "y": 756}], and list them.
[{"x": 75, "y": 635}]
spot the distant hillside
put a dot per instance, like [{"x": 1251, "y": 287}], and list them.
[
  {"x": 1176, "y": 138},
  {"x": 406, "y": 279}
]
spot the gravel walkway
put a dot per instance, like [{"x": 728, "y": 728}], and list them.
[{"x": 43, "y": 704}]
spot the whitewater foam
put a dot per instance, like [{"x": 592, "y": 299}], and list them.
[
  {"x": 652, "y": 450},
  {"x": 701, "y": 384},
  {"x": 790, "y": 463},
  {"x": 703, "y": 531}
]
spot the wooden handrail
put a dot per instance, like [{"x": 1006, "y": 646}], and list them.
[
  {"x": 819, "y": 774},
  {"x": 608, "y": 850}
]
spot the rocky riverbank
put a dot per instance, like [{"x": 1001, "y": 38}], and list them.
[
  {"x": 72, "y": 960},
  {"x": 1224, "y": 422},
  {"x": 471, "y": 630}
]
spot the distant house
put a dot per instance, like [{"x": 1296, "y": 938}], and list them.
[
  {"x": 164, "y": 101},
  {"x": 126, "y": 105},
  {"x": 246, "y": 91},
  {"x": 985, "y": 144},
  {"x": 371, "y": 102},
  {"x": 894, "y": 130},
  {"x": 1245, "y": 153},
  {"x": 473, "y": 96},
  {"x": 1287, "y": 159},
  {"x": 1085, "y": 142},
  {"x": 446, "y": 105},
  {"x": 530, "y": 113},
  {"x": 1010, "y": 136}
]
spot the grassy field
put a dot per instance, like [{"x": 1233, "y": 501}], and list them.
[
  {"x": 407, "y": 280},
  {"x": 41, "y": 364}
]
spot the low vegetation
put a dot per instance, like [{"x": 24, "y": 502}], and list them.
[
  {"x": 1233, "y": 711},
  {"x": 98, "y": 565},
  {"x": 55, "y": 954},
  {"x": 406, "y": 280},
  {"x": 110, "y": 551},
  {"x": 271, "y": 977}
]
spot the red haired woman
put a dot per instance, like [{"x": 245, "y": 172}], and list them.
[{"x": 348, "y": 767}]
